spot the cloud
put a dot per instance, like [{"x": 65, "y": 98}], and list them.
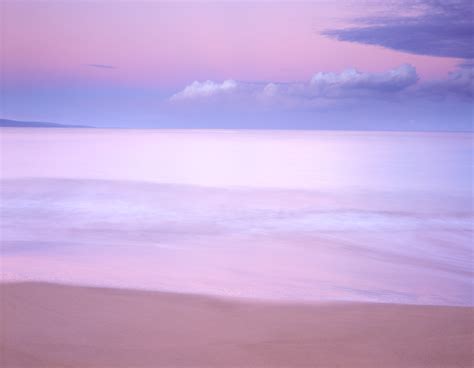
[
  {"x": 442, "y": 28},
  {"x": 101, "y": 66},
  {"x": 322, "y": 89},
  {"x": 459, "y": 84},
  {"x": 329, "y": 90},
  {"x": 352, "y": 81},
  {"x": 205, "y": 89}
]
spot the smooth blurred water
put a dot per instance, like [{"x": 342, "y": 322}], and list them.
[{"x": 293, "y": 215}]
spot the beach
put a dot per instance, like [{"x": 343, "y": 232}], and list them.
[
  {"x": 50, "y": 325},
  {"x": 237, "y": 184},
  {"x": 169, "y": 248}
]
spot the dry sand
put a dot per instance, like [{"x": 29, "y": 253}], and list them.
[{"x": 49, "y": 325}]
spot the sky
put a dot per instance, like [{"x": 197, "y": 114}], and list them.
[{"x": 342, "y": 64}]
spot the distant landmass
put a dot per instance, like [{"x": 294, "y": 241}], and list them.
[{"x": 35, "y": 124}]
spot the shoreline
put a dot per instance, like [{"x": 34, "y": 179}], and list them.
[
  {"x": 233, "y": 299},
  {"x": 56, "y": 325}
]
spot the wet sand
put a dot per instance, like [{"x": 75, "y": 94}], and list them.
[{"x": 51, "y": 325}]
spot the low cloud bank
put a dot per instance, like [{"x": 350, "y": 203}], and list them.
[{"x": 329, "y": 88}]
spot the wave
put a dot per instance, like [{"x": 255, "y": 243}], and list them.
[{"x": 267, "y": 243}]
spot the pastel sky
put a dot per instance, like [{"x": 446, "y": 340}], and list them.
[{"x": 324, "y": 64}]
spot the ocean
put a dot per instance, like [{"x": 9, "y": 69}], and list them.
[{"x": 275, "y": 215}]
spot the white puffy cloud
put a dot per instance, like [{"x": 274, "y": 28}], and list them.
[
  {"x": 205, "y": 89},
  {"x": 353, "y": 81},
  {"x": 322, "y": 89}
]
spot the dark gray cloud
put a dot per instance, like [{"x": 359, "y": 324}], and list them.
[
  {"x": 441, "y": 28},
  {"x": 101, "y": 66}
]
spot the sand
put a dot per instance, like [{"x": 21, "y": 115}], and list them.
[{"x": 52, "y": 325}]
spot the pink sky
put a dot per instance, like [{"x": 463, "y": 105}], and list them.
[
  {"x": 118, "y": 63},
  {"x": 169, "y": 45}
]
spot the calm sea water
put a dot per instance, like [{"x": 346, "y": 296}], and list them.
[{"x": 292, "y": 215}]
